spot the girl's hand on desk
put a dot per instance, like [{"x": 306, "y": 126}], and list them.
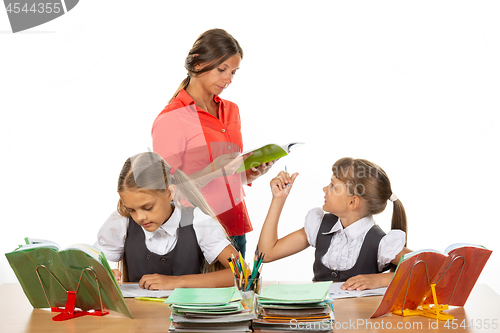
[
  {"x": 367, "y": 281},
  {"x": 159, "y": 282},
  {"x": 117, "y": 274}
]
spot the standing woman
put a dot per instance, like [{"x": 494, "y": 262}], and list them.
[{"x": 200, "y": 133}]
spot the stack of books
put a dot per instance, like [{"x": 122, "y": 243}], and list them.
[
  {"x": 209, "y": 310},
  {"x": 295, "y": 307}
]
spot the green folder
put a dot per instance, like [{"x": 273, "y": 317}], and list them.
[
  {"x": 295, "y": 293},
  {"x": 229, "y": 308},
  {"x": 62, "y": 271},
  {"x": 205, "y": 296}
]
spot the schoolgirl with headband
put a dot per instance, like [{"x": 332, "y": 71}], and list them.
[
  {"x": 349, "y": 245},
  {"x": 164, "y": 245}
]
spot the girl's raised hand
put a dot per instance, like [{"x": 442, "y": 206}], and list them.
[{"x": 282, "y": 184}]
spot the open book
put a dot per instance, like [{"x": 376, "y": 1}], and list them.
[
  {"x": 453, "y": 272},
  {"x": 46, "y": 272},
  {"x": 265, "y": 154}
]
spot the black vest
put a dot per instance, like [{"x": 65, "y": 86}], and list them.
[
  {"x": 185, "y": 258},
  {"x": 367, "y": 259}
]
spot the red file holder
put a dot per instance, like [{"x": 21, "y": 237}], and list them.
[{"x": 69, "y": 310}]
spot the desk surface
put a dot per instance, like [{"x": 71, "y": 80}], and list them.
[{"x": 351, "y": 314}]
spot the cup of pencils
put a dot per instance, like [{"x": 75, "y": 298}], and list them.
[{"x": 247, "y": 278}]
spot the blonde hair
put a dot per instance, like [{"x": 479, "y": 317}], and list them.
[
  {"x": 212, "y": 48},
  {"x": 149, "y": 172},
  {"x": 370, "y": 182}
]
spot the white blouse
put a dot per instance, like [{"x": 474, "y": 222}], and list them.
[
  {"x": 346, "y": 242},
  {"x": 209, "y": 233}
]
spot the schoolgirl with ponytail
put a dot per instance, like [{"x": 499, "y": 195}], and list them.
[
  {"x": 164, "y": 244},
  {"x": 350, "y": 247}
]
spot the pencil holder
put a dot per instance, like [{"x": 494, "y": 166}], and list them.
[
  {"x": 254, "y": 284},
  {"x": 248, "y": 292}
]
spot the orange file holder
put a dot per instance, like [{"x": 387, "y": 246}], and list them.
[{"x": 426, "y": 283}]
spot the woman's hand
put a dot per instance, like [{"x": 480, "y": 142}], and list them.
[
  {"x": 255, "y": 172},
  {"x": 160, "y": 282},
  {"x": 282, "y": 184},
  {"x": 224, "y": 165},
  {"x": 229, "y": 162},
  {"x": 367, "y": 281}
]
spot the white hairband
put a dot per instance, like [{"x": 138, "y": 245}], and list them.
[{"x": 393, "y": 197}]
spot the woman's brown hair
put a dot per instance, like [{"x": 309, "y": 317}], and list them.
[
  {"x": 211, "y": 49},
  {"x": 370, "y": 182}
]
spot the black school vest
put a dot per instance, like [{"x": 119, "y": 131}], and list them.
[
  {"x": 367, "y": 259},
  {"x": 185, "y": 258}
]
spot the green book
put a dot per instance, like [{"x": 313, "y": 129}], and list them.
[
  {"x": 46, "y": 272},
  {"x": 265, "y": 154},
  {"x": 295, "y": 293}
]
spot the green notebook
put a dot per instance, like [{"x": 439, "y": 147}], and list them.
[
  {"x": 295, "y": 293},
  {"x": 203, "y": 296},
  {"x": 62, "y": 271},
  {"x": 229, "y": 308}
]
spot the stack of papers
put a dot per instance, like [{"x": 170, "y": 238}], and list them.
[
  {"x": 295, "y": 307},
  {"x": 209, "y": 310}
]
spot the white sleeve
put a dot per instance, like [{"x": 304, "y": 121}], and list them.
[
  {"x": 111, "y": 237},
  {"x": 389, "y": 247},
  {"x": 312, "y": 223},
  {"x": 210, "y": 235}
]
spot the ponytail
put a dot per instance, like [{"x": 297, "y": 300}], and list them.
[
  {"x": 190, "y": 191},
  {"x": 183, "y": 85},
  {"x": 186, "y": 186},
  {"x": 399, "y": 217}
]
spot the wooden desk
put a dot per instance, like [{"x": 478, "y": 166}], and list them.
[{"x": 17, "y": 315}]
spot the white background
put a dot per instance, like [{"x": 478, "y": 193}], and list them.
[{"x": 411, "y": 86}]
